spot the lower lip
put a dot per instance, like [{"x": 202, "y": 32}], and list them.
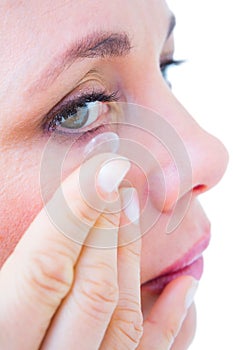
[{"x": 157, "y": 285}]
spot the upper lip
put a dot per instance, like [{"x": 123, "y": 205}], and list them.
[{"x": 188, "y": 258}]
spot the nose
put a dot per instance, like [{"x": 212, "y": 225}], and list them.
[
  {"x": 194, "y": 169},
  {"x": 206, "y": 163}
]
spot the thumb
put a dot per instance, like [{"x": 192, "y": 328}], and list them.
[{"x": 168, "y": 313}]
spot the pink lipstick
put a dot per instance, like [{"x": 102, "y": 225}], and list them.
[
  {"x": 156, "y": 286},
  {"x": 190, "y": 264}
]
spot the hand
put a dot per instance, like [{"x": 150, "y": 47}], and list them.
[{"x": 58, "y": 294}]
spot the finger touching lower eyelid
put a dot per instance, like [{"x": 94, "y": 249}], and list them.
[
  {"x": 112, "y": 173},
  {"x": 41, "y": 267},
  {"x": 107, "y": 171}
]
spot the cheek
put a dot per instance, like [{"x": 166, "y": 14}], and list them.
[
  {"x": 26, "y": 185},
  {"x": 19, "y": 198},
  {"x": 16, "y": 215}
]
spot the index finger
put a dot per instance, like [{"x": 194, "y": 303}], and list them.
[{"x": 39, "y": 273}]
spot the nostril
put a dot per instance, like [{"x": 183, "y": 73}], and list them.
[{"x": 199, "y": 189}]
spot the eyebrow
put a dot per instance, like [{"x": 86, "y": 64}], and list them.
[{"x": 95, "y": 45}]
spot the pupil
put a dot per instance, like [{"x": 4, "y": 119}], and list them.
[{"x": 77, "y": 119}]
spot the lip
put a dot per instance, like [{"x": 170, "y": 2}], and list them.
[{"x": 191, "y": 263}]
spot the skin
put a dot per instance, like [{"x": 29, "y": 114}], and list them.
[{"x": 32, "y": 40}]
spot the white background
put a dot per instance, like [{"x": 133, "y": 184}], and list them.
[{"x": 204, "y": 85}]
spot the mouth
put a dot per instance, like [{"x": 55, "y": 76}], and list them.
[{"x": 190, "y": 264}]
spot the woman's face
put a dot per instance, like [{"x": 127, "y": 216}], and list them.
[{"x": 56, "y": 50}]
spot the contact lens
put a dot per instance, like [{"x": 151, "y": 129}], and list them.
[{"x": 105, "y": 142}]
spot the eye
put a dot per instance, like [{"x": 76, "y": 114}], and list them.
[
  {"x": 165, "y": 65},
  {"x": 81, "y": 115}
]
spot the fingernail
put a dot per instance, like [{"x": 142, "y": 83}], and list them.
[
  {"x": 112, "y": 173},
  {"x": 191, "y": 293},
  {"x": 130, "y": 204}
]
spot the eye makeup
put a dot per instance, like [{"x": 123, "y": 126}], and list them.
[
  {"x": 87, "y": 113},
  {"x": 83, "y": 115},
  {"x": 166, "y": 64}
]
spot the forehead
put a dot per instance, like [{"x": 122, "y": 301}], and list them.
[
  {"x": 36, "y": 22},
  {"x": 36, "y": 31}
]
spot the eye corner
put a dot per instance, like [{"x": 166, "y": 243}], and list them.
[{"x": 167, "y": 62}]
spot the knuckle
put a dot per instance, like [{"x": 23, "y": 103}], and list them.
[
  {"x": 129, "y": 301},
  {"x": 49, "y": 276},
  {"x": 108, "y": 220},
  {"x": 130, "y": 325},
  {"x": 170, "y": 332},
  {"x": 85, "y": 213},
  {"x": 77, "y": 203},
  {"x": 97, "y": 297},
  {"x": 134, "y": 253},
  {"x": 131, "y": 329}
]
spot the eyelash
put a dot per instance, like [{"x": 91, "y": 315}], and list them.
[
  {"x": 164, "y": 67},
  {"x": 68, "y": 108}
]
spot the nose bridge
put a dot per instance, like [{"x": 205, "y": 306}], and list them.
[{"x": 207, "y": 156}]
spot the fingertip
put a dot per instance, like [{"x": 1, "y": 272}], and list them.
[
  {"x": 191, "y": 292},
  {"x": 112, "y": 173},
  {"x": 183, "y": 290},
  {"x": 130, "y": 204}
]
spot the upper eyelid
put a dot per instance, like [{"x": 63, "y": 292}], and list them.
[
  {"x": 66, "y": 101},
  {"x": 75, "y": 102},
  {"x": 166, "y": 56},
  {"x": 172, "y": 61},
  {"x": 83, "y": 98},
  {"x": 79, "y": 88}
]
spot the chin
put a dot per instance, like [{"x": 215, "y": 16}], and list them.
[{"x": 188, "y": 329}]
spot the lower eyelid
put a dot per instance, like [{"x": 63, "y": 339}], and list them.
[{"x": 88, "y": 135}]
